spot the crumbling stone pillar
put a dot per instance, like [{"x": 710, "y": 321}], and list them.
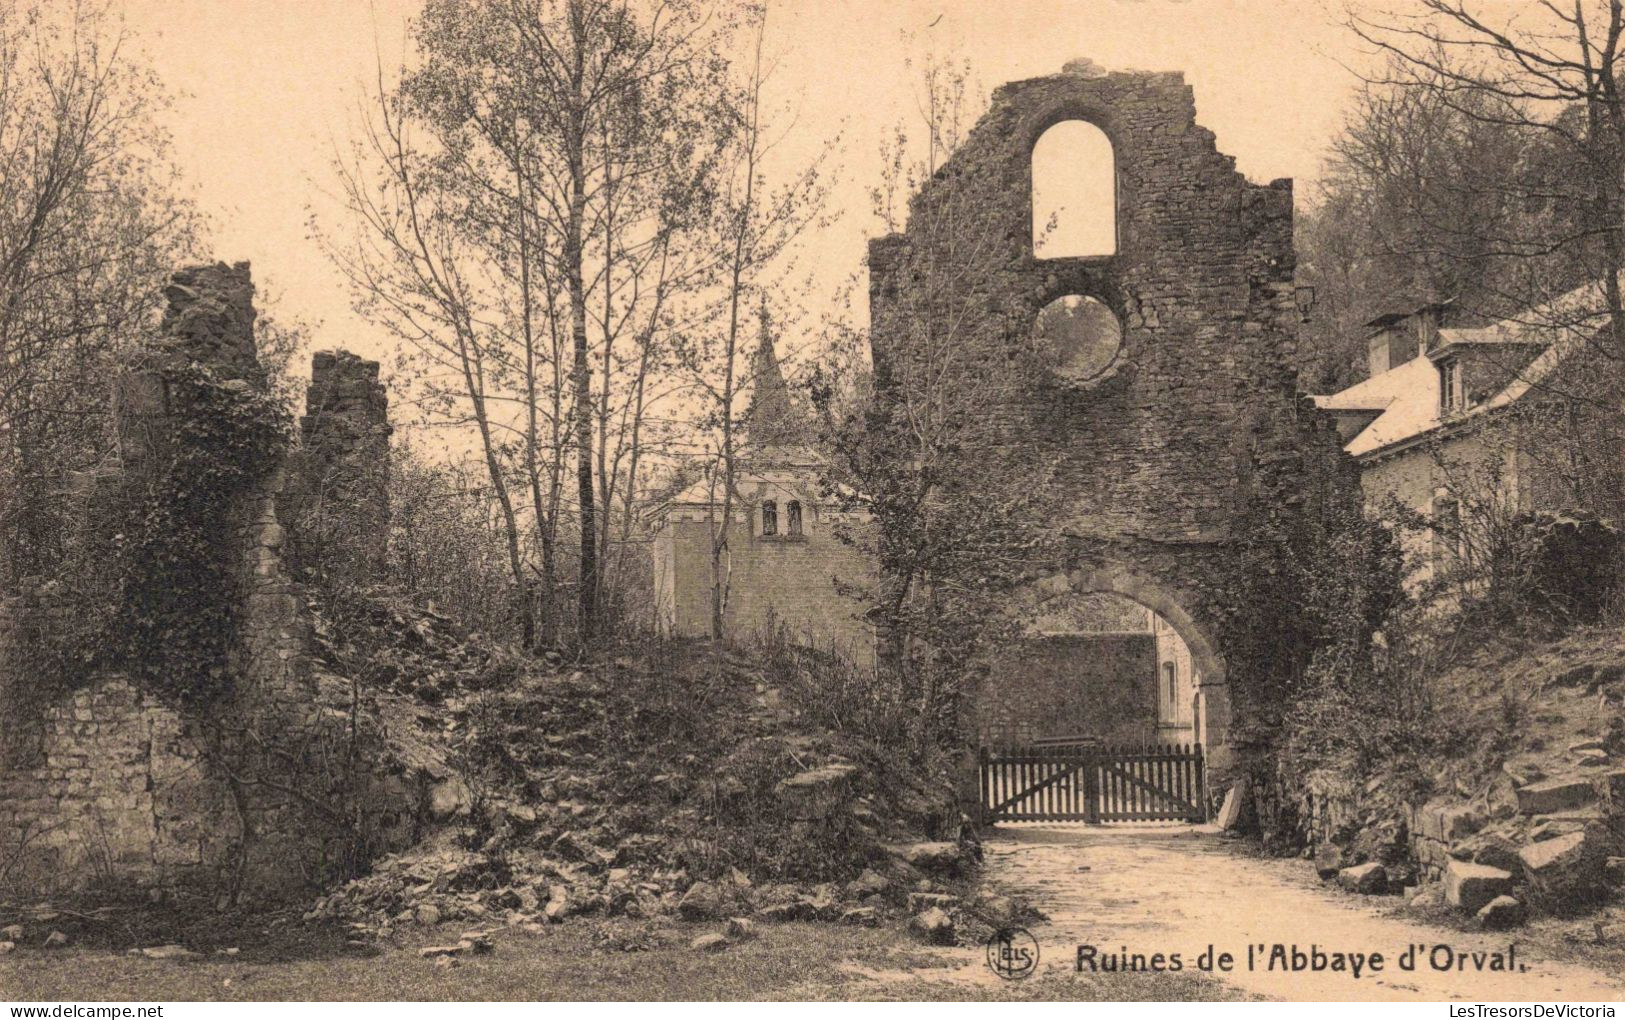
[
  {"x": 252, "y": 786},
  {"x": 209, "y": 320},
  {"x": 209, "y": 323},
  {"x": 343, "y": 493}
]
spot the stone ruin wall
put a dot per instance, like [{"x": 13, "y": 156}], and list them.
[
  {"x": 113, "y": 788},
  {"x": 341, "y": 497},
  {"x": 1199, "y": 417}
]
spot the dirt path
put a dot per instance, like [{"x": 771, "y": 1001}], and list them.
[{"x": 1179, "y": 889}]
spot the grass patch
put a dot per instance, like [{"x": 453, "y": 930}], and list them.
[{"x": 622, "y": 960}]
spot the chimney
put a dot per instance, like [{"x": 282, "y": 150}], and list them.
[
  {"x": 1392, "y": 342},
  {"x": 1428, "y": 320}
]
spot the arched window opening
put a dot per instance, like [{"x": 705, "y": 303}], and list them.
[
  {"x": 1078, "y": 337},
  {"x": 770, "y": 517},
  {"x": 792, "y": 517},
  {"x": 1074, "y": 192}
]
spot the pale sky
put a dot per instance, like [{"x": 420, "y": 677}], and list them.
[{"x": 268, "y": 88}]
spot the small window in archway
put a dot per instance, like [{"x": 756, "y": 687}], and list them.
[
  {"x": 770, "y": 517},
  {"x": 792, "y": 517},
  {"x": 1079, "y": 337},
  {"x": 1074, "y": 192}
]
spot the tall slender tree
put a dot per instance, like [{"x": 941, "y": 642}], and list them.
[
  {"x": 542, "y": 170},
  {"x": 752, "y": 226}
]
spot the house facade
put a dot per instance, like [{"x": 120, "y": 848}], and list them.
[
  {"x": 1449, "y": 418},
  {"x": 789, "y": 561}
]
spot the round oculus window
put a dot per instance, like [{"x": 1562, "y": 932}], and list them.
[{"x": 1079, "y": 338}]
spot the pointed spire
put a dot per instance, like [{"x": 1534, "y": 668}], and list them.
[{"x": 770, "y": 418}]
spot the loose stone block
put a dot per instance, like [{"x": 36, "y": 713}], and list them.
[
  {"x": 1365, "y": 879},
  {"x": 1501, "y": 913},
  {"x": 1552, "y": 795},
  {"x": 815, "y": 795},
  {"x": 1472, "y": 886},
  {"x": 1564, "y": 872}
]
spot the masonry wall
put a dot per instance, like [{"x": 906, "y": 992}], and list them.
[
  {"x": 1417, "y": 477},
  {"x": 339, "y": 495},
  {"x": 1174, "y": 714},
  {"x": 1198, "y": 419},
  {"x": 112, "y": 792},
  {"x": 774, "y": 581},
  {"x": 1098, "y": 685},
  {"x": 1203, "y": 265},
  {"x": 112, "y": 786}
]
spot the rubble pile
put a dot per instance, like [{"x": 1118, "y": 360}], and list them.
[
  {"x": 440, "y": 883},
  {"x": 674, "y": 781},
  {"x": 1523, "y": 816}
]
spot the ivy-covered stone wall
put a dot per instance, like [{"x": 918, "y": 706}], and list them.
[{"x": 192, "y": 752}]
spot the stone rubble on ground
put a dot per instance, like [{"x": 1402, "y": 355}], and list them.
[
  {"x": 1470, "y": 887},
  {"x": 1552, "y": 795},
  {"x": 1565, "y": 871},
  {"x": 934, "y": 926},
  {"x": 1501, "y": 913},
  {"x": 1365, "y": 879},
  {"x": 167, "y": 952},
  {"x": 921, "y": 901},
  {"x": 1328, "y": 860}
]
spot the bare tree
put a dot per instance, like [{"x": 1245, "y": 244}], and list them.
[
  {"x": 540, "y": 171},
  {"x": 1411, "y": 196},
  {"x": 752, "y": 226},
  {"x": 950, "y": 530},
  {"x": 90, "y": 221}
]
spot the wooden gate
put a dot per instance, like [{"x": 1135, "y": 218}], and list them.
[{"x": 1084, "y": 782}]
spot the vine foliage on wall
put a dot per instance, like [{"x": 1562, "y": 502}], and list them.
[
  {"x": 176, "y": 623},
  {"x": 147, "y": 580},
  {"x": 1297, "y": 605}
]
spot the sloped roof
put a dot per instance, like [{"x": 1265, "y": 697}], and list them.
[
  {"x": 771, "y": 418},
  {"x": 1408, "y": 394}
]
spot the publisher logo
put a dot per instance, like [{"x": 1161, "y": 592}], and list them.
[{"x": 1012, "y": 953}]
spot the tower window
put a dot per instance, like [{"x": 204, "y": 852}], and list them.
[
  {"x": 792, "y": 517},
  {"x": 770, "y": 517}
]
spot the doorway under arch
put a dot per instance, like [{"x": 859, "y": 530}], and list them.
[
  {"x": 1098, "y": 665},
  {"x": 1083, "y": 689}
]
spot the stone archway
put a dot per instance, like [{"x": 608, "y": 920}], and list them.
[
  {"x": 1161, "y": 460},
  {"x": 1178, "y": 608}
]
